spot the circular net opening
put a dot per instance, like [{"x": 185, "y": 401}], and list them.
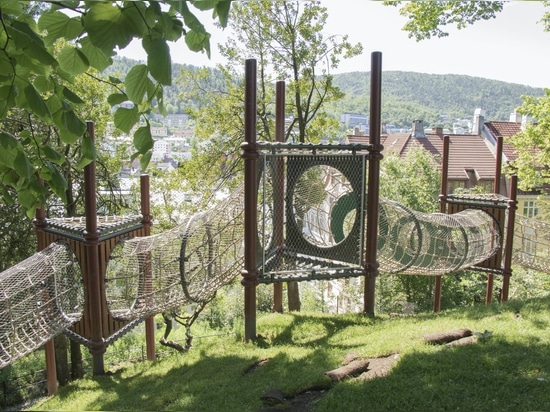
[{"x": 324, "y": 206}]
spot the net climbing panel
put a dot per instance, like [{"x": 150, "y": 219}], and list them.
[{"x": 39, "y": 298}]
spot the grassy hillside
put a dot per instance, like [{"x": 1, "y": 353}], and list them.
[{"x": 508, "y": 371}]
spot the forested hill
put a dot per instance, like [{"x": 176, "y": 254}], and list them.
[{"x": 407, "y": 96}]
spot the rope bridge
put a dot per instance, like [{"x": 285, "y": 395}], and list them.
[{"x": 39, "y": 298}]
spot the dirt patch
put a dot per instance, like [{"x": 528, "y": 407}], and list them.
[{"x": 306, "y": 401}]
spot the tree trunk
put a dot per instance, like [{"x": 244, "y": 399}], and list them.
[
  {"x": 77, "y": 371},
  {"x": 61, "y": 360},
  {"x": 293, "y": 292}
]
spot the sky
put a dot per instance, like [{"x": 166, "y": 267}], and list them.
[{"x": 513, "y": 47}]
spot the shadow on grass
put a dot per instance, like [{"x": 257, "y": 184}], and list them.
[{"x": 494, "y": 376}]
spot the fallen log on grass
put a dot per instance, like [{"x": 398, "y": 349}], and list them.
[
  {"x": 350, "y": 370},
  {"x": 440, "y": 338}
]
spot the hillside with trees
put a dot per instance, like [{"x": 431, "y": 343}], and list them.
[{"x": 406, "y": 96}]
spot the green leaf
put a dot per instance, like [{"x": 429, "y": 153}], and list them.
[
  {"x": 136, "y": 83},
  {"x": 98, "y": 59},
  {"x": 71, "y": 96},
  {"x": 53, "y": 155},
  {"x": 22, "y": 165},
  {"x": 222, "y": 12},
  {"x": 198, "y": 41},
  {"x": 125, "y": 119},
  {"x": 144, "y": 161},
  {"x": 34, "y": 48},
  {"x": 57, "y": 181},
  {"x": 8, "y": 93},
  {"x": 9, "y": 149},
  {"x": 59, "y": 25},
  {"x": 36, "y": 102},
  {"x": 73, "y": 124},
  {"x": 73, "y": 60},
  {"x": 11, "y": 7},
  {"x": 116, "y": 98},
  {"x": 143, "y": 140},
  {"x": 42, "y": 84},
  {"x": 87, "y": 149},
  {"x": 158, "y": 59}
]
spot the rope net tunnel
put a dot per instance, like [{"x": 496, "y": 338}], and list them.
[
  {"x": 182, "y": 266},
  {"x": 531, "y": 247},
  {"x": 39, "y": 298}
]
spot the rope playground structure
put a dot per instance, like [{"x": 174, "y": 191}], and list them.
[{"x": 310, "y": 208}]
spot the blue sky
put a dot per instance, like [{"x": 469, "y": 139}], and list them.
[{"x": 512, "y": 47}]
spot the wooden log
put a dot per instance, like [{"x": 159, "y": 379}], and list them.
[
  {"x": 463, "y": 341},
  {"x": 440, "y": 338},
  {"x": 352, "y": 369}
]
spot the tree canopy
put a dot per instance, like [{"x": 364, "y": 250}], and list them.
[{"x": 37, "y": 75}]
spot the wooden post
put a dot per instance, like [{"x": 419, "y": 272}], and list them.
[
  {"x": 496, "y": 190},
  {"x": 442, "y": 209},
  {"x": 250, "y": 155},
  {"x": 507, "y": 267},
  {"x": 279, "y": 188},
  {"x": 49, "y": 346},
  {"x": 91, "y": 236},
  {"x": 146, "y": 222},
  {"x": 370, "y": 265}
]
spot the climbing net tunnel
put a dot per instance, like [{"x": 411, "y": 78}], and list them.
[
  {"x": 39, "y": 298},
  {"x": 415, "y": 243},
  {"x": 531, "y": 246},
  {"x": 312, "y": 222},
  {"x": 185, "y": 265}
]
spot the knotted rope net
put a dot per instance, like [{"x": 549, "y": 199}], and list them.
[
  {"x": 531, "y": 246},
  {"x": 185, "y": 265},
  {"x": 39, "y": 298}
]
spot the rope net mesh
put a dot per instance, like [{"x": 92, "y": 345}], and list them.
[
  {"x": 39, "y": 298},
  {"x": 531, "y": 247},
  {"x": 320, "y": 195},
  {"x": 185, "y": 265},
  {"x": 415, "y": 243}
]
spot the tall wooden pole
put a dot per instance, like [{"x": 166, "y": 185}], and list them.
[
  {"x": 146, "y": 222},
  {"x": 371, "y": 264},
  {"x": 91, "y": 236},
  {"x": 250, "y": 155},
  {"x": 507, "y": 268},
  {"x": 278, "y": 188},
  {"x": 496, "y": 189},
  {"x": 442, "y": 209},
  {"x": 49, "y": 347}
]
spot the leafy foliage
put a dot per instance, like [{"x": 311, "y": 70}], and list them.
[
  {"x": 426, "y": 18},
  {"x": 532, "y": 145},
  {"x": 39, "y": 79}
]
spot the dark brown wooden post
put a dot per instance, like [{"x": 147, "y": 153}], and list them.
[
  {"x": 278, "y": 194},
  {"x": 250, "y": 155},
  {"x": 442, "y": 209},
  {"x": 370, "y": 264},
  {"x": 146, "y": 219},
  {"x": 507, "y": 268},
  {"x": 496, "y": 189},
  {"x": 91, "y": 236},
  {"x": 49, "y": 347}
]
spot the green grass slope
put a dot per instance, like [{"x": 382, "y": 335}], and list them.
[{"x": 509, "y": 371}]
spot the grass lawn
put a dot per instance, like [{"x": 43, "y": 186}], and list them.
[{"x": 509, "y": 371}]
